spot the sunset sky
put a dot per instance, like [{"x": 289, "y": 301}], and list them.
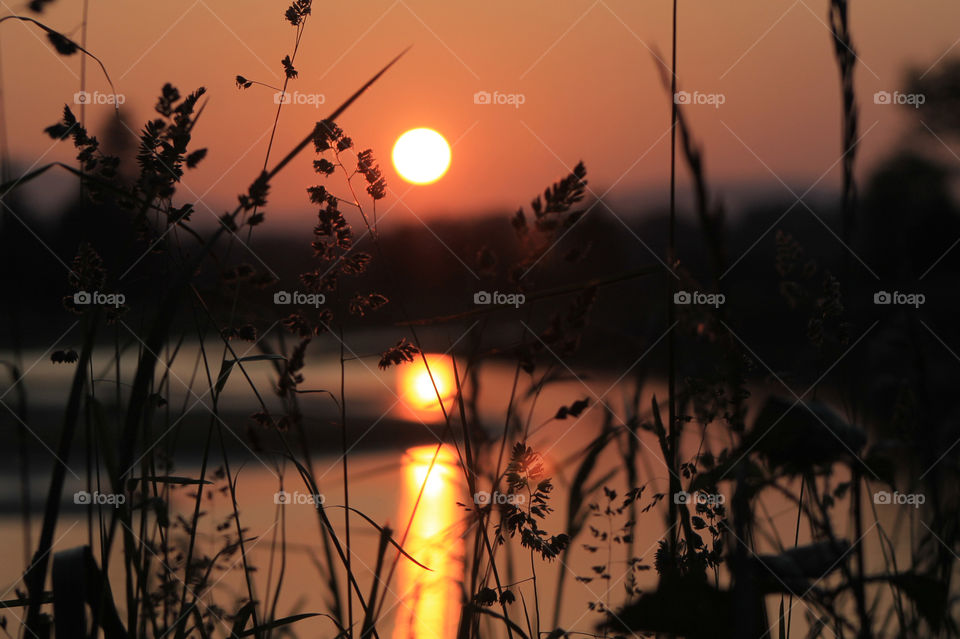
[{"x": 585, "y": 69}]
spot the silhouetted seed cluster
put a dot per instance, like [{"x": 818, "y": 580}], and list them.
[
  {"x": 564, "y": 332},
  {"x": 255, "y": 197},
  {"x": 402, "y": 352},
  {"x": 246, "y": 332},
  {"x": 720, "y": 394},
  {"x": 560, "y": 198},
  {"x": 553, "y": 214},
  {"x": 333, "y": 239},
  {"x": 282, "y": 423},
  {"x": 233, "y": 279},
  {"x": 162, "y": 155},
  {"x": 163, "y": 142},
  {"x": 88, "y": 274},
  {"x": 362, "y": 303},
  {"x": 326, "y": 133},
  {"x": 524, "y": 476},
  {"x": 609, "y": 536},
  {"x": 37, "y": 6},
  {"x": 181, "y": 569},
  {"x": 91, "y": 159},
  {"x": 288, "y": 69},
  {"x": 573, "y": 410},
  {"x": 60, "y": 42},
  {"x": 823, "y": 300},
  {"x": 292, "y": 376},
  {"x": 367, "y": 166},
  {"x": 324, "y": 166},
  {"x": 488, "y": 596},
  {"x": 64, "y": 357},
  {"x": 297, "y": 11}
]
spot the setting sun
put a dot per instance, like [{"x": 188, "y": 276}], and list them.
[{"x": 421, "y": 156}]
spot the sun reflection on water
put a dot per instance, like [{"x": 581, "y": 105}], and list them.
[
  {"x": 418, "y": 386},
  {"x": 429, "y": 599}
]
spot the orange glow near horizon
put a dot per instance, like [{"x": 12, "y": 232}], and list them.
[
  {"x": 505, "y": 151},
  {"x": 416, "y": 387},
  {"x": 421, "y": 156},
  {"x": 428, "y": 607}
]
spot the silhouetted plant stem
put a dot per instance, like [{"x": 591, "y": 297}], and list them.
[
  {"x": 672, "y": 435},
  {"x": 346, "y": 483},
  {"x": 15, "y": 367},
  {"x": 796, "y": 541},
  {"x": 471, "y": 490},
  {"x": 4, "y": 140},
  {"x": 846, "y": 61},
  {"x": 35, "y": 575},
  {"x": 198, "y": 503},
  {"x": 228, "y": 474},
  {"x": 319, "y": 128},
  {"x": 286, "y": 81}
]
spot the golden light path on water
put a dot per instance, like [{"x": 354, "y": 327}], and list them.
[{"x": 429, "y": 606}]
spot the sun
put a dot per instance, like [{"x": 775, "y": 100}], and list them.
[{"x": 421, "y": 156}]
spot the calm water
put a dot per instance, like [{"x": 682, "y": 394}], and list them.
[{"x": 385, "y": 482}]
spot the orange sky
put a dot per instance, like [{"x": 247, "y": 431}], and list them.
[{"x": 584, "y": 67}]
